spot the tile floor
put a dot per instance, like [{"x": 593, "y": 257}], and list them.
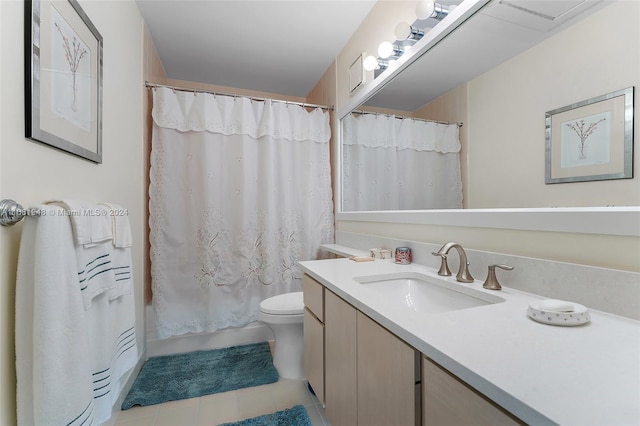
[{"x": 226, "y": 407}]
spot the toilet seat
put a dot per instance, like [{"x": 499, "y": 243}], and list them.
[{"x": 283, "y": 304}]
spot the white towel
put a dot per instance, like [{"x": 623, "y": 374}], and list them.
[
  {"x": 94, "y": 253},
  {"x": 99, "y": 324},
  {"x": 96, "y": 272},
  {"x": 111, "y": 318},
  {"x": 122, "y": 300},
  {"x": 91, "y": 223},
  {"x": 112, "y": 348},
  {"x": 124, "y": 350},
  {"x": 122, "y": 242},
  {"x": 121, "y": 228},
  {"x": 52, "y": 361}
]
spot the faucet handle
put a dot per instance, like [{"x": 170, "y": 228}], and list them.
[
  {"x": 444, "y": 267},
  {"x": 491, "y": 282}
]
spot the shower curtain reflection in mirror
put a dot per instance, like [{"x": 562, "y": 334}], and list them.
[
  {"x": 399, "y": 163},
  {"x": 240, "y": 192}
]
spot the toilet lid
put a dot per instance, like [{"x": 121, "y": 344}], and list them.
[{"x": 283, "y": 304}]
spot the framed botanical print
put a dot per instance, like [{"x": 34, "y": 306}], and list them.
[
  {"x": 63, "y": 65},
  {"x": 591, "y": 140}
]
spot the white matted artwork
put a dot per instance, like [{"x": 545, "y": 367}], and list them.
[
  {"x": 591, "y": 140},
  {"x": 70, "y": 81},
  {"x": 585, "y": 141},
  {"x": 64, "y": 78}
]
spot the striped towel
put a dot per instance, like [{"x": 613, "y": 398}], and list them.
[{"x": 52, "y": 358}]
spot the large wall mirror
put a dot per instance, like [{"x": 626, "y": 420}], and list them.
[{"x": 491, "y": 70}]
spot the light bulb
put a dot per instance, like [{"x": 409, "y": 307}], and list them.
[
  {"x": 385, "y": 49},
  {"x": 402, "y": 31},
  {"x": 425, "y": 9},
  {"x": 370, "y": 63},
  {"x": 405, "y": 31}
]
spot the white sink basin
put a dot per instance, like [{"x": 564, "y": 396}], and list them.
[{"x": 426, "y": 294}]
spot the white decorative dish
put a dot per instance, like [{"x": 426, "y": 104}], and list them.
[{"x": 579, "y": 315}]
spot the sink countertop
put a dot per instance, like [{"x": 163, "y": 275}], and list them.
[{"x": 543, "y": 374}]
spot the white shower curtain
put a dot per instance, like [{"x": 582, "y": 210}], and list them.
[
  {"x": 400, "y": 164},
  {"x": 240, "y": 192}
]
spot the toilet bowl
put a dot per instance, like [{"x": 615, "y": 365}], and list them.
[{"x": 283, "y": 314}]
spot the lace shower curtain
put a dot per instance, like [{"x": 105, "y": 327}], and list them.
[
  {"x": 240, "y": 192},
  {"x": 400, "y": 164}
]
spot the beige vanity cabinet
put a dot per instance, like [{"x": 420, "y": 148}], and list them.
[
  {"x": 313, "y": 337},
  {"x": 369, "y": 374},
  {"x": 386, "y": 377},
  {"x": 446, "y": 401},
  {"x": 340, "y": 361}
]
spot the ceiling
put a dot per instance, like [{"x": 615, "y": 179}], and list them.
[{"x": 272, "y": 46}]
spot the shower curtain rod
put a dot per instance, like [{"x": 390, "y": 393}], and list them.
[
  {"x": 253, "y": 98},
  {"x": 359, "y": 111}
]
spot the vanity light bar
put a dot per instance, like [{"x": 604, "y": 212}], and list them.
[{"x": 404, "y": 32}]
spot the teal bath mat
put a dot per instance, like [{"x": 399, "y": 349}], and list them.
[
  {"x": 193, "y": 374},
  {"x": 295, "y": 416}
]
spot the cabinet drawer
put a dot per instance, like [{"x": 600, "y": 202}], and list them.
[
  {"x": 313, "y": 296},
  {"x": 448, "y": 401}
]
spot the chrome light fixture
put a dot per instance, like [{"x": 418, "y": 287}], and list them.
[
  {"x": 372, "y": 63},
  {"x": 430, "y": 9},
  {"x": 404, "y": 31},
  {"x": 406, "y": 35},
  {"x": 387, "y": 49}
]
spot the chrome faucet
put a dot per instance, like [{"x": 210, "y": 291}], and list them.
[{"x": 463, "y": 275}]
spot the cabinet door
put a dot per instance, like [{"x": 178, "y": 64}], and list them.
[
  {"x": 386, "y": 377},
  {"x": 448, "y": 401},
  {"x": 313, "y": 338},
  {"x": 340, "y": 361},
  {"x": 313, "y": 294}
]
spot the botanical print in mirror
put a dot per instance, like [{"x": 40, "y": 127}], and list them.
[
  {"x": 64, "y": 78},
  {"x": 591, "y": 140}
]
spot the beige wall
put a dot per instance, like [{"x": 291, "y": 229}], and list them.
[
  {"x": 31, "y": 172},
  {"x": 506, "y": 106},
  {"x": 378, "y": 26}
]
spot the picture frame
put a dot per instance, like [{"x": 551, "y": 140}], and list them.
[
  {"x": 590, "y": 140},
  {"x": 63, "y": 81}
]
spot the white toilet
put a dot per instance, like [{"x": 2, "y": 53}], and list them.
[{"x": 283, "y": 314}]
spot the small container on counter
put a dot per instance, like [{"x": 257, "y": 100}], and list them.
[
  {"x": 380, "y": 253},
  {"x": 385, "y": 254},
  {"x": 403, "y": 255}
]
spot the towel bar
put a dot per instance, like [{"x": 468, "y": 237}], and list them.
[{"x": 12, "y": 212}]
